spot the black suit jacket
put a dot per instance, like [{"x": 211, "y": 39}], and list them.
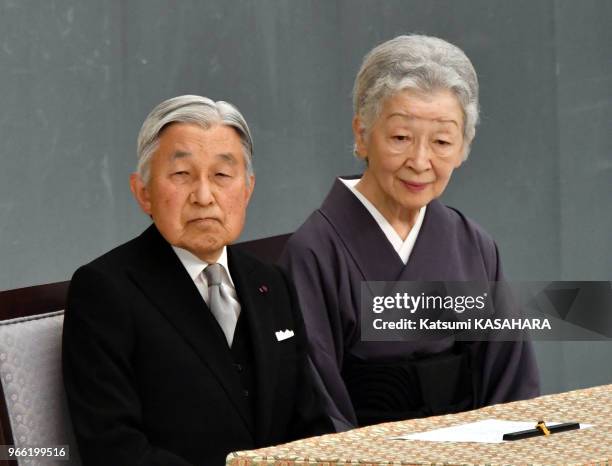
[{"x": 149, "y": 377}]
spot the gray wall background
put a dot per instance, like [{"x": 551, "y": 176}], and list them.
[{"x": 78, "y": 77}]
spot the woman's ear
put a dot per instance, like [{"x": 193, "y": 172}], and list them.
[{"x": 359, "y": 133}]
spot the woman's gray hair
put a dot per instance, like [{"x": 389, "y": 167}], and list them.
[
  {"x": 190, "y": 109},
  {"x": 423, "y": 63}
]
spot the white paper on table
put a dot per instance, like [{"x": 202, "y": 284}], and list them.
[{"x": 486, "y": 431}]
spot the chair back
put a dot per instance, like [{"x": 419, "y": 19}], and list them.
[{"x": 31, "y": 375}]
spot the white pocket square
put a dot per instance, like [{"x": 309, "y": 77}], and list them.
[{"x": 284, "y": 334}]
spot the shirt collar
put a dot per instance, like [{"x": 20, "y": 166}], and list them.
[{"x": 195, "y": 266}]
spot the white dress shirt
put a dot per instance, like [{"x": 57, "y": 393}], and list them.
[
  {"x": 196, "y": 266},
  {"x": 402, "y": 247}
]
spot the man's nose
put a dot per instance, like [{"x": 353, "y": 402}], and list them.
[{"x": 202, "y": 192}]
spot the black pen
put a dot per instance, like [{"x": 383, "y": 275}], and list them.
[{"x": 541, "y": 429}]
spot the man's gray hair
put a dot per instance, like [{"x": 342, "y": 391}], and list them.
[
  {"x": 190, "y": 109},
  {"x": 423, "y": 63}
]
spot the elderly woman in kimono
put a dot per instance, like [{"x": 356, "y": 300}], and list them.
[{"x": 415, "y": 112}]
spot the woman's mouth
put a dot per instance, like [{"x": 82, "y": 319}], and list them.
[{"x": 414, "y": 187}]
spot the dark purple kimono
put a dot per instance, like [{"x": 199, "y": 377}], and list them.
[{"x": 339, "y": 246}]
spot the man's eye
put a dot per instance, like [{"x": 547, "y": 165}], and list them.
[
  {"x": 442, "y": 142},
  {"x": 181, "y": 173},
  {"x": 401, "y": 137},
  {"x": 223, "y": 175}
]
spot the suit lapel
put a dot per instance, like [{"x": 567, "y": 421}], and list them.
[
  {"x": 256, "y": 301},
  {"x": 163, "y": 279}
]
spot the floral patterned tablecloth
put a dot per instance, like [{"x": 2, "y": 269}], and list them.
[{"x": 371, "y": 446}]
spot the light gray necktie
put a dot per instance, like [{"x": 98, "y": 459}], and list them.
[{"x": 220, "y": 303}]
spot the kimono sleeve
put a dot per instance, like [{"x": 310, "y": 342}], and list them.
[
  {"x": 315, "y": 278},
  {"x": 309, "y": 417},
  {"x": 509, "y": 368}
]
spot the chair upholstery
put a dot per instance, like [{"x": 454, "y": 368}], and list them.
[{"x": 31, "y": 376}]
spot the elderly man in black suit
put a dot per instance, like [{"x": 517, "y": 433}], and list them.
[{"x": 178, "y": 349}]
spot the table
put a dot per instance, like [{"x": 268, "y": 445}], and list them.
[{"x": 370, "y": 446}]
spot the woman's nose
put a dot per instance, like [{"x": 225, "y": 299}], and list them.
[{"x": 419, "y": 158}]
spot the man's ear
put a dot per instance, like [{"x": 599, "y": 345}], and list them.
[
  {"x": 359, "y": 135},
  {"x": 140, "y": 192}
]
